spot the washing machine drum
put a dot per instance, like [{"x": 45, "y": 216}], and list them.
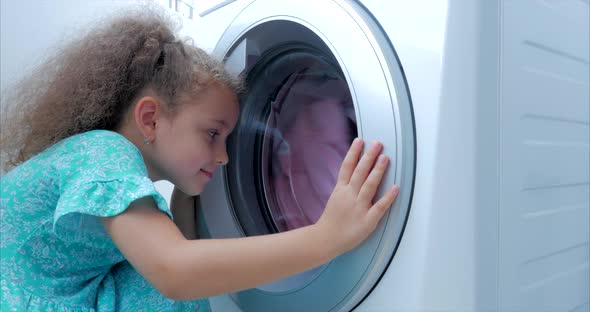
[
  {"x": 299, "y": 116},
  {"x": 307, "y": 135}
]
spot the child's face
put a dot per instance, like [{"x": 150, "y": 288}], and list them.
[{"x": 192, "y": 143}]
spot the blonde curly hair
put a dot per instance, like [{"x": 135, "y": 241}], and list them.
[{"x": 91, "y": 82}]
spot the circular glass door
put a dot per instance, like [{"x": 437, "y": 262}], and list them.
[
  {"x": 309, "y": 127},
  {"x": 297, "y": 123},
  {"x": 312, "y": 86}
]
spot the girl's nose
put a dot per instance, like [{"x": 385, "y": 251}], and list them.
[{"x": 222, "y": 157}]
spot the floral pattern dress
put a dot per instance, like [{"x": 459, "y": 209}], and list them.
[{"x": 55, "y": 253}]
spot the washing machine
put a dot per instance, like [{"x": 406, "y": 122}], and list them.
[{"x": 483, "y": 107}]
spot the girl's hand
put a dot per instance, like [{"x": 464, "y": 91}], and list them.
[{"x": 350, "y": 215}]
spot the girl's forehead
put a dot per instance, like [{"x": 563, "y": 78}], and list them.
[{"x": 217, "y": 103}]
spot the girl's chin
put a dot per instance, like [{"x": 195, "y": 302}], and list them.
[
  {"x": 194, "y": 192},
  {"x": 191, "y": 190}
]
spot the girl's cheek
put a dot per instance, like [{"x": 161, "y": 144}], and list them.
[{"x": 186, "y": 165}]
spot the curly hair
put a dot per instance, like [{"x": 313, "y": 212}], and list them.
[{"x": 91, "y": 82}]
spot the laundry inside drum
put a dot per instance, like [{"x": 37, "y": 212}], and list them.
[{"x": 309, "y": 129}]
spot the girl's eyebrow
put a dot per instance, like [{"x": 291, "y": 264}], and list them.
[{"x": 221, "y": 122}]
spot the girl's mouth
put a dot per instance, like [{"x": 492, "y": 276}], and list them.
[{"x": 207, "y": 173}]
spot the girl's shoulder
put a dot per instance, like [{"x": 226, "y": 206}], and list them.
[
  {"x": 98, "y": 138},
  {"x": 102, "y": 150},
  {"x": 97, "y": 144},
  {"x": 81, "y": 161}
]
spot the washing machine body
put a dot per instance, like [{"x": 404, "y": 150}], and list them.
[{"x": 485, "y": 117}]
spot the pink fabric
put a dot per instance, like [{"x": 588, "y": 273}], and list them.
[{"x": 307, "y": 158}]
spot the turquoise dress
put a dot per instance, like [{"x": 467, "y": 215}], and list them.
[{"x": 56, "y": 255}]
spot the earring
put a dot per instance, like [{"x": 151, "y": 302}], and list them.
[{"x": 146, "y": 141}]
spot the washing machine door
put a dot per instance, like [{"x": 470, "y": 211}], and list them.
[{"x": 319, "y": 73}]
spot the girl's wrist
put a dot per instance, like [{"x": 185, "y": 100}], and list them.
[{"x": 324, "y": 242}]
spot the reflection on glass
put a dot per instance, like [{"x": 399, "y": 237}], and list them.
[{"x": 308, "y": 132}]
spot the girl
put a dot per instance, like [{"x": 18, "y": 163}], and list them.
[{"x": 83, "y": 227}]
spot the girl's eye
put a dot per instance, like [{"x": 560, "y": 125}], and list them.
[{"x": 213, "y": 133}]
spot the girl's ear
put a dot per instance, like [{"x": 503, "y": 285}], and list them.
[{"x": 146, "y": 114}]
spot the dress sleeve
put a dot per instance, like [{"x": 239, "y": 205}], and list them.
[{"x": 103, "y": 177}]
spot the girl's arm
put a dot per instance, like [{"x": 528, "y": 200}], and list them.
[
  {"x": 183, "y": 209},
  {"x": 183, "y": 269}
]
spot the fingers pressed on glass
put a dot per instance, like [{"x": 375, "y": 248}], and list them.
[
  {"x": 350, "y": 160},
  {"x": 365, "y": 165},
  {"x": 373, "y": 181}
]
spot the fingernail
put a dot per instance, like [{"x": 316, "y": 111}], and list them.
[{"x": 383, "y": 159}]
